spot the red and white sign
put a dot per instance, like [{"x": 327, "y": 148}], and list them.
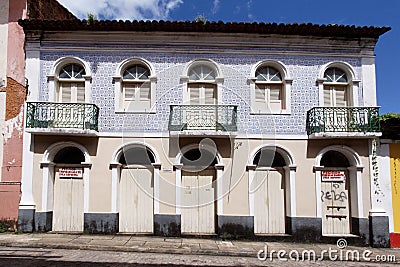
[
  {"x": 333, "y": 176},
  {"x": 70, "y": 173}
]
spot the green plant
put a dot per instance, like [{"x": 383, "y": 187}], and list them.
[
  {"x": 200, "y": 18},
  {"x": 91, "y": 18},
  {"x": 389, "y": 116}
]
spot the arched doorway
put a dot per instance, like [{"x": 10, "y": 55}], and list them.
[
  {"x": 136, "y": 190},
  {"x": 268, "y": 187},
  {"x": 335, "y": 197},
  {"x": 198, "y": 211},
  {"x": 68, "y": 211}
]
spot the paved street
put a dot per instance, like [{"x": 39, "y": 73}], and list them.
[
  {"x": 128, "y": 250},
  {"x": 62, "y": 257}
]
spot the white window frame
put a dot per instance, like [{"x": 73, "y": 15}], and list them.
[
  {"x": 54, "y": 80},
  {"x": 119, "y": 89},
  {"x": 352, "y": 82},
  {"x": 286, "y": 88},
  {"x": 74, "y": 86},
  {"x": 185, "y": 80}
]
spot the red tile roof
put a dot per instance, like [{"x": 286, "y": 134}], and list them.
[{"x": 309, "y": 29}]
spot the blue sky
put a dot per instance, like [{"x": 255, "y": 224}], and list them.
[{"x": 348, "y": 12}]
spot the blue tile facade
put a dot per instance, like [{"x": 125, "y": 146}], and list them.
[{"x": 236, "y": 69}]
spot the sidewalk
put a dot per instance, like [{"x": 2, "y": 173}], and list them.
[{"x": 151, "y": 244}]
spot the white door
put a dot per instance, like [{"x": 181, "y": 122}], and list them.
[
  {"x": 204, "y": 117},
  {"x": 197, "y": 213},
  {"x": 69, "y": 116},
  {"x": 269, "y": 206},
  {"x": 136, "y": 200},
  {"x": 336, "y": 96},
  {"x": 335, "y": 208},
  {"x": 68, "y": 204}
]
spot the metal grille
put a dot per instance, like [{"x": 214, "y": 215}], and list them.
[
  {"x": 203, "y": 117},
  {"x": 339, "y": 119},
  {"x": 62, "y": 115}
]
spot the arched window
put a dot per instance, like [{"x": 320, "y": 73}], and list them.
[
  {"x": 202, "y": 87},
  {"x": 336, "y": 92},
  {"x": 270, "y": 88},
  {"x": 338, "y": 86},
  {"x": 69, "y": 81},
  {"x": 137, "y": 155},
  {"x": 71, "y": 84},
  {"x": 202, "y": 82},
  {"x": 69, "y": 155},
  {"x": 269, "y": 158},
  {"x": 334, "y": 158},
  {"x": 134, "y": 86}
]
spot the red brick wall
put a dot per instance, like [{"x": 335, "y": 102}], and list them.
[
  {"x": 48, "y": 10},
  {"x": 11, "y": 170}
]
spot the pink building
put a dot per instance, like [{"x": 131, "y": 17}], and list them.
[{"x": 13, "y": 91}]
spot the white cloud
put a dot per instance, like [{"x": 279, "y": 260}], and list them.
[
  {"x": 215, "y": 8},
  {"x": 123, "y": 9},
  {"x": 249, "y": 7}
]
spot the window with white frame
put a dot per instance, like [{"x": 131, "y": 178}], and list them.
[
  {"x": 269, "y": 93},
  {"x": 270, "y": 88},
  {"x": 71, "y": 84},
  {"x": 135, "y": 84},
  {"x": 336, "y": 88},
  {"x": 136, "y": 92},
  {"x": 202, "y": 86}
]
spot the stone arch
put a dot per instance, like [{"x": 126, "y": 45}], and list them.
[
  {"x": 48, "y": 174},
  {"x": 290, "y": 178},
  {"x": 355, "y": 179},
  {"x": 116, "y": 166}
]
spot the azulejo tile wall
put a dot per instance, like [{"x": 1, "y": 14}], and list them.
[{"x": 235, "y": 90}]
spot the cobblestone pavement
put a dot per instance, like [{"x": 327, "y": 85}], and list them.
[
  {"x": 17, "y": 257},
  {"x": 52, "y": 249}
]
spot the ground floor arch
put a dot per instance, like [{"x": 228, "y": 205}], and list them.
[
  {"x": 135, "y": 182},
  {"x": 271, "y": 176},
  {"x": 339, "y": 189},
  {"x": 198, "y": 172},
  {"x": 65, "y": 185}
]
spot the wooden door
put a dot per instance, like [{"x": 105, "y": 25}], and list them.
[
  {"x": 198, "y": 211},
  {"x": 202, "y": 117},
  {"x": 68, "y": 211},
  {"x": 269, "y": 198},
  {"x": 335, "y": 208},
  {"x": 136, "y": 200}
]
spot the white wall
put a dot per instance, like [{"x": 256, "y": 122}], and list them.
[
  {"x": 4, "y": 9},
  {"x": 383, "y": 153},
  {"x": 369, "y": 82}
]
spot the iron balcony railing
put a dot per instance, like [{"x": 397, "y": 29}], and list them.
[
  {"x": 343, "y": 119},
  {"x": 203, "y": 117},
  {"x": 62, "y": 115}
]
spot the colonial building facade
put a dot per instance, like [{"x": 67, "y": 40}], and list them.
[{"x": 185, "y": 128}]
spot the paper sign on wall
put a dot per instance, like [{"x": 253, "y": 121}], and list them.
[
  {"x": 333, "y": 176},
  {"x": 70, "y": 173}
]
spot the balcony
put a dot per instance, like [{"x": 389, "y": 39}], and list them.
[
  {"x": 343, "y": 122},
  {"x": 203, "y": 119},
  {"x": 62, "y": 118}
]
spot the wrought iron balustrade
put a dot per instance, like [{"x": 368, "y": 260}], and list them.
[
  {"x": 203, "y": 117},
  {"x": 343, "y": 119},
  {"x": 62, "y": 115}
]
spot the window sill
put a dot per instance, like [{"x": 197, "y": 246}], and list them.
[
  {"x": 135, "y": 112},
  {"x": 277, "y": 112}
]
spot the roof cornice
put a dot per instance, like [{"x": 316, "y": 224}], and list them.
[{"x": 303, "y": 29}]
